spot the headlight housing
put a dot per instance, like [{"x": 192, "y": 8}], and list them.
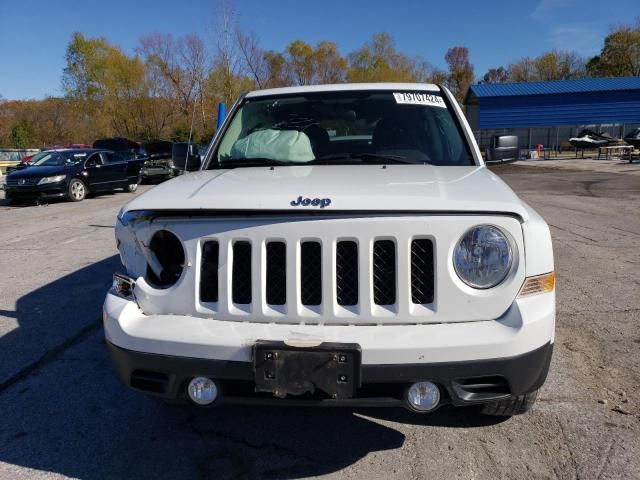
[
  {"x": 132, "y": 216},
  {"x": 54, "y": 179},
  {"x": 483, "y": 257}
]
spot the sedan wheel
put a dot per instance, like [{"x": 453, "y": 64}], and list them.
[{"x": 77, "y": 190}]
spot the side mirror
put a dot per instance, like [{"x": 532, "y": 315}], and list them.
[{"x": 186, "y": 157}]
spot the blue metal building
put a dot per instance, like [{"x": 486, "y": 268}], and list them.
[{"x": 590, "y": 101}]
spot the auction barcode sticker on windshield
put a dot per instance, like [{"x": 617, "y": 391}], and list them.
[{"x": 419, "y": 98}]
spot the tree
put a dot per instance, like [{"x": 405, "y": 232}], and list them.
[
  {"x": 300, "y": 61},
  {"x": 329, "y": 65},
  {"x": 559, "y": 65},
  {"x": 551, "y": 65},
  {"x": 460, "y": 71},
  {"x": 379, "y": 61},
  {"x": 105, "y": 82},
  {"x": 86, "y": 59},
  {"x": 176, "y": 70},
  {"x": 227, "y": 78},
  {"x": 21, "y": 134},
  {"x": 496, "y": 75},
  {"x": 255, "y": 59},
  {"x": 620, "y": 55},
  {"x": 524, "y": 70},
  {"x": 276, "y": 70}
]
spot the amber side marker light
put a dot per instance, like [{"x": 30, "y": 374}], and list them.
[{"x": 538, "y": 284}]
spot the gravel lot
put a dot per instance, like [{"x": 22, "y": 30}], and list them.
[{"x": 64, "y": 414}]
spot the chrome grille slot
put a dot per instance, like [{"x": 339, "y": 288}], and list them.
[{"x": 241, "y": 273}]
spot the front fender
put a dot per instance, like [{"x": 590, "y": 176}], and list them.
[{"x": 537, "y": 244}]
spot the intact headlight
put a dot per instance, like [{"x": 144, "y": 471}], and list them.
[
  {"x": 483, "y": 257},
  {"x": 54, "y": 179}
]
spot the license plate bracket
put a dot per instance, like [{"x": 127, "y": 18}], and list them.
[{"x": 281, "y": 369}]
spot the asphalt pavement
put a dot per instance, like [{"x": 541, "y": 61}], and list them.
[{"x": 64, "y": 414}]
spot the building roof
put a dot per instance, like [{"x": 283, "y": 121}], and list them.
[{"x": 583, "y": 85}]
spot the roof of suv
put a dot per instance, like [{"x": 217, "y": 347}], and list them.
[{"x": 344, "y": 87}]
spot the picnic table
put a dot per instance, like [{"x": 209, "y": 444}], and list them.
[{"x": 624, "y": 151}]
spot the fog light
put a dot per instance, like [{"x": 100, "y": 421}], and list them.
[
  {"x": 202, "y": 390},
  {"x": 423, "y": 396}
]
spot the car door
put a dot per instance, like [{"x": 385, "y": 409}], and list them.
[
  {"x": 116, "y": 170},
  {"x": 97, "y": 175}
]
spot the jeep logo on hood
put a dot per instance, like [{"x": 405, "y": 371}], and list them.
[{"x": 310, "y": 202}]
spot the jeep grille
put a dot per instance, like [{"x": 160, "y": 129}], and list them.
[{"x": 347, "y": 272}]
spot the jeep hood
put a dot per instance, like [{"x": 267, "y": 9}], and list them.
[{"x": 362, "y": 188}]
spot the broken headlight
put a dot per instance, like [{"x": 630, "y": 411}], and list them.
[
  {"x": 165, "y": 258},
  {"x": 129, "y": 217}
]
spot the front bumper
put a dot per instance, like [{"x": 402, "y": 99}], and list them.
[
  {"x": 472, "y": 362},
  {"x": 48, "y": 190},
  {"x": 461, "y": 383},
  {"x": 156, "y": 171}
]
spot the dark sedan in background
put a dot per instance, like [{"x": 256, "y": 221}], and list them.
[{"x": 72, "y": 174}]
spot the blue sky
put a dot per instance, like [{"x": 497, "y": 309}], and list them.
[{"x": 34, "y": 33}]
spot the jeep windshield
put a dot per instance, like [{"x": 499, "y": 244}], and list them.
[{"x": 343, "y": 128}]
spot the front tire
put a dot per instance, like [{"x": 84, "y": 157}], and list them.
[
  {"x": 77, "y": 190},
  {"x": 132, "y": 187},
  {"x": 511, "y": 406}
]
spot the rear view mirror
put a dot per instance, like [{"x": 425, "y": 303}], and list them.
[{"x": 186, "y": 156}]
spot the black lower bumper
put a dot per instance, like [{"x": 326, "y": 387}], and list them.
[
  {"x": 35, "y": 192},
  {"x": 462, "y": 383},
  {"x": 156, "y": 172}
]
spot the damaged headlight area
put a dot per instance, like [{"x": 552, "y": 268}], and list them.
[
  {"x": 127, "y": 218},
  {"x": 165, "y": 259},
  {"x": 123, "y": 286}
]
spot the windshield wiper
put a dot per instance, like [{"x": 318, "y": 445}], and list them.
[
  {"x": 381, "y": 158},
  {"x": 251, "y": 162}
]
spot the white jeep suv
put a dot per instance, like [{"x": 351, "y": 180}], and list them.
[{"x": 340, "y": 245}]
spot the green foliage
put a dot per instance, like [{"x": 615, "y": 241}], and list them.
[
  {"x": 460, "y": 71},
  {"x": 496, "y": 75},
  {"x": 276, "y": 70},
  {"x": 620, "y": 55},
  {"x": 180, "y": 133},
  {"x": 551, "y": 65},
  {"x": 379, "y": 61},
  {"x": 21, "y": 134}
]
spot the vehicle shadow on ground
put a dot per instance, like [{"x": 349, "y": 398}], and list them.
[
  {"x": 51, "y": 316},
  {"x": 71, "y": 416}
]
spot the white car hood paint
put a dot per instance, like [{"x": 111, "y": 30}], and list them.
[{"x": 350, "y": 188}]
